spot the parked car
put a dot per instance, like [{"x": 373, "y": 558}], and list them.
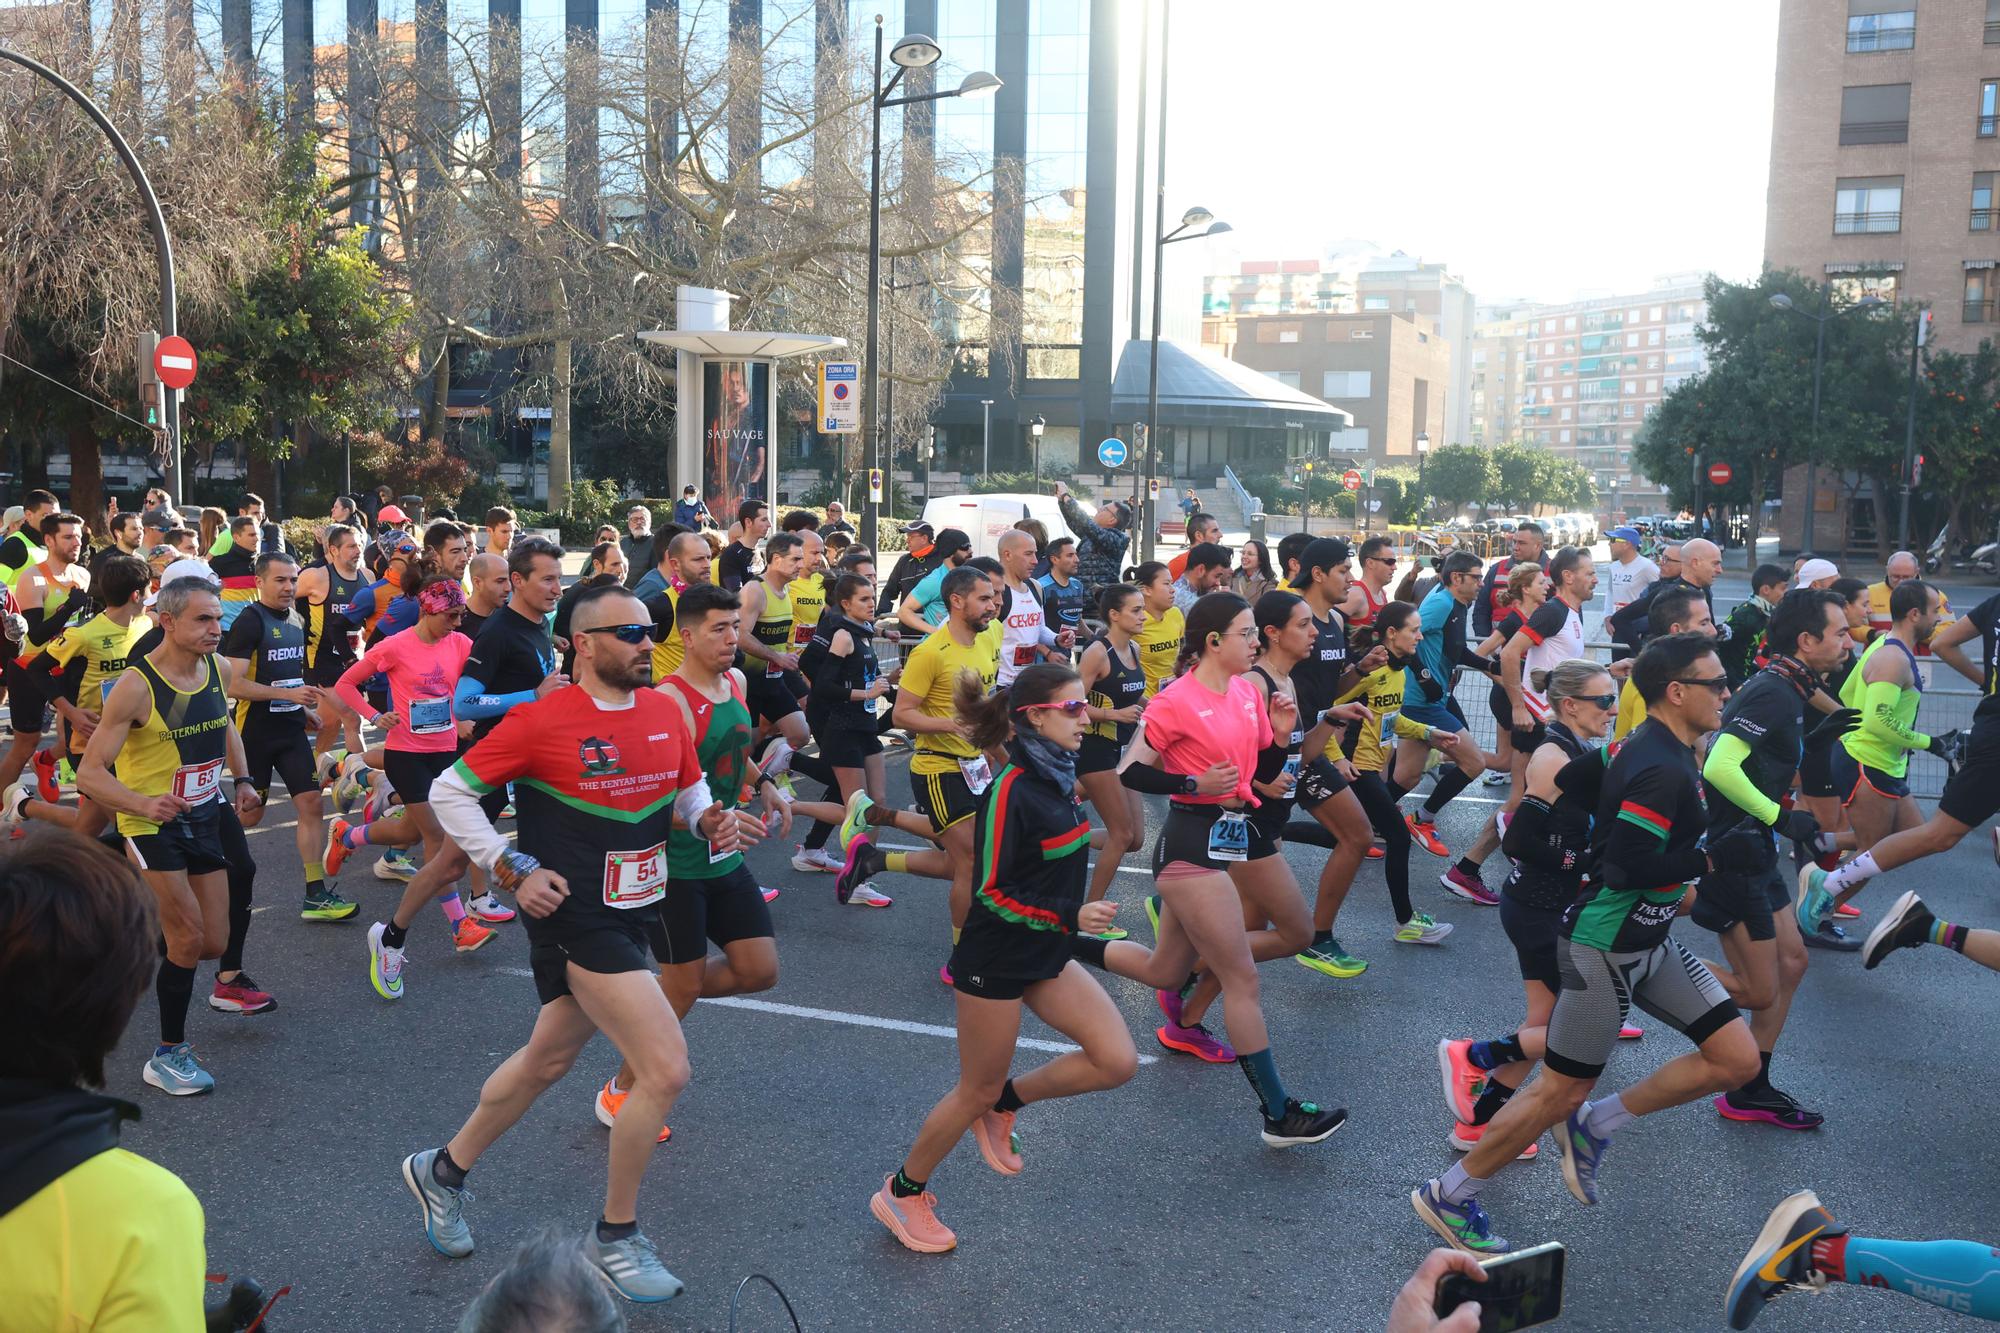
[{"x": 985, "y": 517}]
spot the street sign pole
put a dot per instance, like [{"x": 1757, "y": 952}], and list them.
[{"x": 1923, "y": 323}]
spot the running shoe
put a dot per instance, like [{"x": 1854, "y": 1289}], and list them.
[
  {"x": 1814, "y": 902},
  {"x": 864, "y": 862},
  {"x": 323, "y": 904},
  {"x": 815, "y": 861},
  {"x": 1582, "y": 1154},
  {"x": 399, "y": 864},
  {"x": 1462, "y": 1081},
  {"x": 1846, "y": 912},
  {"x": 1466, "y": 1136},
  {"x": 468, "y": 935},
  {"x": 327, "y": 767},
  {"x": 240, "y": 996},
  {"x": 778, "y": 759},
  {"x": 1906, "y": 925},
  {"x": 1153, "y": 915},
  {"x": 867, "y": 895},
  {"x": 1780, "y": 1259},
  {"x": 944, "y": 975},
  {"x": 1469, "y": 887},
  {"x": 1111, "y": 936},
  {"x": 855, "y": 825},
  {"x": 65, "y": 772},
  {"x": 1464, "y": 1225},
  {"x": 1170, "y": 1004},
  {"x": 1422, "y": 928},
  {"x": 489, "y": 909},
  {"x": 177, "y": 1073},
  {"x": 610, "y": 1100},
  {"x": 1425, "y": 832},
  {"x": 1630, "y": 1033},
  {"x": 632, "y": 1266},
  {"x": 10, "y": 806},
  {"x": 787, "y": 789},
  {"x": 998, "y": 1144},
  {"x": 1330, "y": 960},
  {"x": 1830, "y": 936},
  {"x": 385, "y": 965},
  {"x": 46, "y": 785},
  {"x": 1376, "y": 851},
  {"x": 1767, "y": 1106},
  {"x": 912, "y": 1219},
  {"x": 444, "y": 1207},
  {"x": 1496, "y": 778},
  {"x": 1195, "y": 1040},
  {"x": 337, "y": 851},
  {"x": 1302, "y": 1123},
  {"x": 770, "y": 894}
]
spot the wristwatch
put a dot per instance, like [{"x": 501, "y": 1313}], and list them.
[{"x": 1188, "y": 785}]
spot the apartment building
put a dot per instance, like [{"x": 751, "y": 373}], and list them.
[
  {"x": 1498, "y": 372},
  {"x": 1389, "y": 370}
]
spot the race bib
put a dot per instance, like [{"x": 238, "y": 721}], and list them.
[
  {"x": 636, "y": 879},
  {"x": 1229, "y": 837},
  {"x": 1291, "y": 768},
  {"x": 279, "y": 705},
  {"x": 978, "y": 773},
  {"x": 1024, "y": 656},
  {"x": 197, "y": 784},
  {"x": 428, "y": 717},
  {"x": 802, "y": 634}
]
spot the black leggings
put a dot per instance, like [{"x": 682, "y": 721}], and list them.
[{"x": 1387, "y": 819}]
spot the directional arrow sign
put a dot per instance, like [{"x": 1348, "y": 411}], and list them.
[
  {"x": 174, "y": 360},
  {"x": 1112, "y": 452}
]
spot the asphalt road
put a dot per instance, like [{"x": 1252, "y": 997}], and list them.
[{"x": 1151, "y": 1207}]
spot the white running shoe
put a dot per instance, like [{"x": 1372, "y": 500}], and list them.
[
  {"x": 16, "y": 795},
  {"x": 867, "y": 895},
  {"x": 781, "y": 758},
  {"x": 815, "y": 861},
  {"x": 489, "y": 909}
]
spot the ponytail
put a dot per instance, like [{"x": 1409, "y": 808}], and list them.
[
  {"x": 990, "y": 718},
  {"x": 1211, "y": 615}
]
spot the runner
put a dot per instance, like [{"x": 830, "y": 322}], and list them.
[
  {"x": 921, "y": 610},
  {"x": 1114, "y": 686},
  {"x": 330, "y": 590},
  {"x": 687, "y": 561},
  {"x": 1369, "y": 592},
  {"x": 768, "y": 663},
  {"x": 46, "y": 594},
  {"x": 1748, "y": 619},
  {"x": 601, "y": 770},
  {"x": 809, "y": 589},
  {"x": 1063, "y": 593},
  {"x": 423, "y": 665},
  {"x": 1871, "y": 767},
  {"x": 22, "y": 550},
  {"x": 1430, "y": 702},
  {"x": 487, "y": 587},
  {"x": 1549, "y": 841},
  {"x": 1160, "y": 638},
  {"x": 234, "y": 560},
  {"x": 1526, "y": 589},
  {"x": 266, "y": 652},
  {"x": 1627, "y": 577},
  {"x": 739, "y": 558},
  {"x": 1674, "y": 611},
  {"x": 847, "y": 681},
  {"x": 1026, "y": 636},
  {"x": 1032, "y": 848},
  {"x": 1908, "y": 924},
  {"x": 711, "y": 895},
  {"x": 166, "y": 728},
  {"x": 1645, "y": 839}
]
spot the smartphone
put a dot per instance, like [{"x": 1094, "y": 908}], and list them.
[{"x": 1521, "y": 1289}]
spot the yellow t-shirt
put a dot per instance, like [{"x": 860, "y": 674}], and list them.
[
  {"x": 931, "y": 672},
  {"x": 1880, "y": 623},
  {"x": 668, "y": 652},
  {"x": 105, "y": 645},
  {"x": 808, "y": 604},
  {"x": 1159, "y": 645},
  {"x": 1382, "y": 690},
  {"x": 113, "y": 1245},
  {"x": 1631, "y": 711}
]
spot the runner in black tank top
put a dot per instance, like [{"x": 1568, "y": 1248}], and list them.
[{"x": 1107, "y": 667}]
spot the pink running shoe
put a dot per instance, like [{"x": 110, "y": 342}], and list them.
[
  {"x": 1195, "y": 1041},
  {"x": 1461, "y": 885},
  {"x": 1630, "y": 1033},
  {"x": 1170, "y": 1005}
]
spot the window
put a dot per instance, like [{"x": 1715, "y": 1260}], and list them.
[
  {"x": 1867, "y": 204},
  {"x": 1631, "y": 340},
  {"x": 1374, "y": 303},
  {"x": 1989, "y": 108},
  {"x": 1876, "y": 114},
  {"x": 1982, "y": 201},
  {"x": 1992, "y": 22},
  {"x": 1979, "y": 295},
  {"x": 1346, "y": 384},
  {"x": 1549, "y": 349},
  {"x": 1288, "y": 378},
  {"x": 1569, "y": 391},
  {"x": 1880, "y": 25},
  {"x": 1277, "y": 331},
  {"x": 1569, "y": 324},
  {"x": 1568, "y": 415},
  {"x": 1631, "y": 409},
  {"x": 1563, "y": 437},
  {"x": 1659, "y": 313},
  {"x": 1360, "y": 335},
  {"x": 1850, "y": 288},
  {"x": 1652, "y": 386},
  {"x": 1631, "y": 386}
]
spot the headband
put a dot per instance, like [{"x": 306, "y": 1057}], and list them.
[{"x": 437, "y": 598}]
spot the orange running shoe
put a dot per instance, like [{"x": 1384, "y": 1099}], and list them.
[
  {"x": 468, "y": 935},
  {"x": 610, "y": 1101},
  {"x": 1465, "y": 1137},
  {"x": 337, "y": 850},
  {"x": 995, "y": 1132},
  {"x": 912, "y": 1219},
  {"x": 1425, "y": 832}
]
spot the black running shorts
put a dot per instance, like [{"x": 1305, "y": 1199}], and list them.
[
  {"x": 943, "y": 798},
  {"x": 1724, "y": 897},
  {"x": 1973, "y": 795},
  {"x": 285, "y": 751},
  {"x": 699, "y": 912},
  {"x": 600, "y": 941},
  {"x": 1319, "y": 782},
  {"x": 198, "y": 845},
  {"x": 411, "y": 772}
]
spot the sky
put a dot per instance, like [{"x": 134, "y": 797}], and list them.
[{"x": 1547, "y": 149}]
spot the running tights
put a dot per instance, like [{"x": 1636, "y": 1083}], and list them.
[
  {"x": 242, "y": 880},
  {"x": 1387, "y": 819},
  {"x": 1960, "y": 1275}
]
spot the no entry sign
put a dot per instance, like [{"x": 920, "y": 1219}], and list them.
[
  {"x": 1351, "y": 479},
  {"x": 174, "y": 362},
  {"x": 1720, "y": 473}
]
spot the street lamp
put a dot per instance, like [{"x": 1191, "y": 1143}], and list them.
[
  {"x": 1423, "y": 447},
  {"x": 1194, "y": 218},
  {"x": 1035, "y": 427},
  {"x": 1783, "y": 301},
  {"x": 912, "y": 51},
  {"x": 986, "y": 436}
]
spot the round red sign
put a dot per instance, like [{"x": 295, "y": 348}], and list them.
[
  {"x": 174, "y": 362},
  {"x": 1719, "y": 474},
  {"x": 1351, "y": 479}
]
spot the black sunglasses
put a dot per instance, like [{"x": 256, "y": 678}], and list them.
[
  {"x": 1601, "y": 700},
  {"x": 1720, "y": 684},
  {"x": 632, "y": 634}
]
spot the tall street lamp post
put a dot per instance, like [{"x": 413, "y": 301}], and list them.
[
  {"x": 1423, "y": 448},
  {"x": 986, "y": 436},
  {"x": 913, "y": 51},
  {"x": 1783, "y": 301},
  {"x": 1196, "y": 223},
  {"x": 1036, "y": 425}
]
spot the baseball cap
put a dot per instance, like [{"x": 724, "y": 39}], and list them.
[
  {"x": 14, "y": 515},
  {"x": 1626, "y": 533},
  {"x": 924, "y": 528},
  {"x": 1813, "y": 570},
  {"x": 1320, "y": 553},
  {"x": 392, "y": 514},
  {"x": 952, "y": 539},
  {"x": 161, "y": 549},
  {"x": 188, "y": 568}
]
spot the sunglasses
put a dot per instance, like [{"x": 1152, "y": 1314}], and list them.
[
  {"x": 1068, "y": 707},
  {"x": 1720, "y": 684},
  {"x": 1601, "y": 700},
  {"x": 632, "y": 634},
  {"x": 1382, "y": 559}
]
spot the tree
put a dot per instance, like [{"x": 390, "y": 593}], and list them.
[
  {"x": 1958, "y": 434},
  {"x": 1460, "y": 474}
]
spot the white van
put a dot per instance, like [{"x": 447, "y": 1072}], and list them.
[{"x": 985, "y": 517}]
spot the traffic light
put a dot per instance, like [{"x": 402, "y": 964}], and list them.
[
  {"x": 146, "y": 344},
  {"x": 1917, "y": 468}
]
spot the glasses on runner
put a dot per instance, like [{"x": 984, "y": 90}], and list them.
[
  {"x": 1067, "y": 707},
  {"x": 1601, "y": 700},
  {"x": 632, "y": 634},
  {"x": 1719, "y": 684}
]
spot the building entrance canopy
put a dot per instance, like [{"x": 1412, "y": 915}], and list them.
[{"x": 1197, "y": 388}]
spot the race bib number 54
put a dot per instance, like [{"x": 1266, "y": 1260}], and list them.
[{"x": 635, "y": 879}]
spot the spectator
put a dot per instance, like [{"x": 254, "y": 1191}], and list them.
[
  {"x": 214, "y": 531},
  {"x": 94, "y": 1236},
  {"x": 1207, "y": 572},
  {"x": 1200, "y": 528},
  {"x": 1190, "y": 503},
  {"x": 1101, "y": 539},
  {"x": 126, "y": 533},
  {"x": 184, "y": 541},
  {"x": 391, "y": 518},
  {"x": 837, "y": 545},
  {"x": 1039, "y": 530},
  {"x": 739, "y": 563},
  {"x": 1747, "y": 621},
  {"x": 547, "y": 1285},
  {"x": 375, "y": 502},
  {"x": 23, "y": 546},
  {"x": 1252, "y": 578},
  {"x": 1415, "y": 1310},
  {"x": 923, "y": 607},
  {"x": 1529, "y": 544},
  {"x": 799, "y": 520},
  {"x": 501, "y": 526},
  {"x": 1815, "y": 573},
  {"x": 691, "y": 512},
  {"x": 12, "y": 522},
  {"x": 1902, "y": 567},
  {"x": 343, "y": 511},
  {"x": 637, "y": 543},
  {"x": 921, "y": 557},
  {"x": 1291, "y": 547},
  {"x": 836, "y": 521},
  {"x": 159, "y": 515},
  {"x": 605, "y": 533}
]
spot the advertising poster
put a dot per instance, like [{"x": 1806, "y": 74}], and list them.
[{"x": 735, "y": 433}]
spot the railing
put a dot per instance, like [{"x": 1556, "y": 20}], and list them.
[
  {"x": 1989, "y": 126},
  {"x": 1858, "y": 224},
  {"x": 1982, "y": 219},
  {"x": 1993, "y": 34},
  {"x": 1979, "y": 312},
  {"x": 1891, "y": 39},
  {"x": 1250, "y": 503},
  {"x": 1877, "y": 131}
]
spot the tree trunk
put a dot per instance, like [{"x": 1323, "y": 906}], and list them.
[
  {"x": 559, "y": 430},
  {"x": 86, "y": 476},
  {"x": 262, "y": 478},
  {"x": 432, "y": 422},
  {"x": 1756, "y": 512}
]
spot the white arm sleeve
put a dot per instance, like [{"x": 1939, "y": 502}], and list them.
[
  {"x": 458, "y": 814},
  {"x": 690, "y": 803}
]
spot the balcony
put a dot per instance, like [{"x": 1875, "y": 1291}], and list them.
[
  {"x": 1989, "y": 126},
  {"x": 1979, "y": 312},
  {"x": 1993, "y": 34},
  {"x": 1890, "y": 39},
  {"x": 1863, "y": 224},
  {"x": 1982, "y": 219},
  {"x": 1878, "y": 131}
]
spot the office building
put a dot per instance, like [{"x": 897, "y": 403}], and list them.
[{"x": 1885, "y": 148}]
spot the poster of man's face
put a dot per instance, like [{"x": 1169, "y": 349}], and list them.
[{"x": 735, "y": 433}]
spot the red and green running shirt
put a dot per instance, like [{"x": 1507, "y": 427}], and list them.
[
  {"x": 1030, "y": 849},
  {"x": 722, "y": 735},
  {"x": 594, "y": 788}
]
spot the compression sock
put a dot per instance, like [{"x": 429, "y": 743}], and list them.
[
  {"x": 1468, "y": 867},
  {"x": 815, "y": 767},
  {"x": 447, "y": 1172},
  {"x": 173, "y": 987},
  {"x": 357, "y": 836},
  {"x": 1856, "y": 872},
  {"x": 1491, "y": 1098},
  {"x": 1763, "y": 1078},
  {"x": 1322, "y": 938},
  {"x": 1950, "y": 936},
  {"x": 1457, "y": 1185},
  {"x": 454, "y": 908},
  {"x": 902, "y": 1187},
  {"x": 608, "y": 1232},
  {"x": 1606, "y": 1117},
  {"x": 1262, "y": 1071},
  {"x": 393, "y": 935},
  {"x": 956, "y": 931},
  {"x": 896, "y": 862},
  {"x": 315, "y": 873},
  {"x": 1010, "y": 1100},
  {"x": 1448, "y": 786},
  {"x": 1492, "y": 1054},
  {"x": 1959, "y": 1275},
  {"x": 242, "y": 878}
]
